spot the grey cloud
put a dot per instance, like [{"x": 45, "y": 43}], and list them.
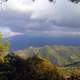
[
  {"x": 63, "y": 12},
  {"x": 60, "y": 17},
  {"x": 14, "y": 19}
]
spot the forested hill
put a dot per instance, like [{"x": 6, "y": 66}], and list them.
[{"x": 34, "y": 68}]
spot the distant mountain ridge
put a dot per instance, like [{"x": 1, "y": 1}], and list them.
[{"x": 59, "y": 55}]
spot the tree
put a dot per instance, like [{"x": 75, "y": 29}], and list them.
[
  {"x": 41, "y": 69},
  {"x": 4, "y": 47},
  {"x": 76, "y": 1}
]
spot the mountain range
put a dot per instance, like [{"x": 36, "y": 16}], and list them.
[{"x": 60, "y": 55}]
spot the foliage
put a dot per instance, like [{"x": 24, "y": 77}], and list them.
[
  {"x": 37, "y": 67},
  {"x": 4, "y": 44},
  {"x": 41, "y": 69},
  {"x": 76, "y": 1},
  {"x": 34, "y": 68},
  {"x": 4, "y": 48}
]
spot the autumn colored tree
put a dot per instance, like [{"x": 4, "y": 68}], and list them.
[
  {"x": 4, "y": 47},
  {"x": 41, "y": 69}
]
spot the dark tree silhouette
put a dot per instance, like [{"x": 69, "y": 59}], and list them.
[
  {"x": 49, "y": 0},
  {"x": 76, "y": 1}
]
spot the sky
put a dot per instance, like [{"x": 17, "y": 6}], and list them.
[{"x": 60, "y": 18}]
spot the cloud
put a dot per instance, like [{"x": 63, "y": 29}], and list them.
[
  {"x": 41, "y": 18},
  {"x": 54, "y": 33},
  {"x": 19, "y": 5},
  {"x": 7, "y": 32},
  {"x": 63, "y": 12},
  {"x": 42, "y": 9}
]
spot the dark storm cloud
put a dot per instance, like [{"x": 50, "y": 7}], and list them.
[{"x": 13, "y": 19}]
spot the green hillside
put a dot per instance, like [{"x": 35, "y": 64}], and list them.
[{"x": 60, "y": 55}]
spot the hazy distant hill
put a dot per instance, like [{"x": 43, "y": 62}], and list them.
[
  {"x": 24, "y": 41},
  {"x": 60, "y": 55}
]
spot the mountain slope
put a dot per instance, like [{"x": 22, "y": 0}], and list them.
[{"x": 60, "y": 55}]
